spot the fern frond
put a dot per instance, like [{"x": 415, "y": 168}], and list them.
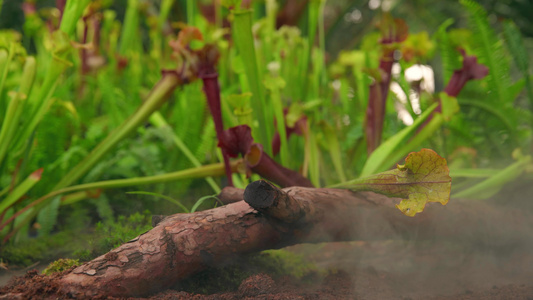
[
  {"x": 449, "y": 56},
  {"x": 489, "y": 51},
  {"x": 189, "y": 115},
  {"x": 104, "y": 209},
  {"x": 516, "y": 47},
  {"x": 47, "y": 217}
]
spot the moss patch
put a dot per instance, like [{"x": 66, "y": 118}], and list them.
[
  {"x": 61, "y": 265},
  {"x": 43, "y": 249},
  {"x": 228, "y": 277},
  {"x": 77, "y": 244}
]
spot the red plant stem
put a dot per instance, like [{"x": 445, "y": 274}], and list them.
[
  {"x": 375, "y": 113},
  {"x": 2, "y": 215},
  {"x": 298, "y": 129},
  {"x": 96, "y": 24},
  {"x": 471, "y": 70},
  {"x": 259, "y": 162},
  {"x": 212, "y": 93},
  {"x": 271, "y": 170},
  {"x": 60, "y": 5},
  {"x": 83, "y": 52}
]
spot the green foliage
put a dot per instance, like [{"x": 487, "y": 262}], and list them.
[
  {"x": 502, "y": 93},
  {"x": 46, "y": 218},
  {"x": 43, "y": 249},
  {"x": 99, "y": 117},
  {"x": 448, "y": 55},
  {"x": 496, "y": 180},
  {"x": 489, "y": 50},
  {"x": 115, "y": 233},
  {"x": 516, "y": 47}
]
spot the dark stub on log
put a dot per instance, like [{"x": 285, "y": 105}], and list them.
[
  {"x": 276, "y": 203},
  {"x": 156, "y": 219},
  {"x": 261, "y": 194}
]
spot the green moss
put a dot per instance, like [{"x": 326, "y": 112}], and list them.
[
  {"x": 61, "y": 265},
  {"x": 228, "y": 277},
  {"x": 283, "y": 262},
  {"x": 110, "y": 235},
  {"x": 77, "y": 244},
  {"x": 41, "y": 249}
]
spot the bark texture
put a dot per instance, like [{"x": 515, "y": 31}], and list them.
[{"x": 183, "y": 244}]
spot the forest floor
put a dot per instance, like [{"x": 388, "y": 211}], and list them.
[{"x": 391, "y": 269}]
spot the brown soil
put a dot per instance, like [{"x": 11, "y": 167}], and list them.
[{"x": 363, "y": 270}]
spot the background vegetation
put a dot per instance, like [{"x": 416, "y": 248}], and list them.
[{"x": 93, "y": 131}]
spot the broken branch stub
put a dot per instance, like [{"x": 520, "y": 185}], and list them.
[{"x": 276, "y": 203}]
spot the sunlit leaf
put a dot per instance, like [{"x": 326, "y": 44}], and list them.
[{"x": 423, "y": 178}]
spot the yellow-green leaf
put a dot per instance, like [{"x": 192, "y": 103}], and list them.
[{"x": 423, "y": 178}]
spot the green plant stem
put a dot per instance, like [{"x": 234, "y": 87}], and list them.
[
  {"x": 335, "y": 153},
  {"x": 243, "y": 38},
  {"x": 38, "y": 105},
  {"x": 491, "y": 185},
  {"x": 16, "y": 107},
  {"x": 156, "y": 98},
  {"x": 379, "y": 160},
  {"x": 190, "y": 12},
  {"x": 472, "y": 173},
  {"x": 20, "y": 190},
  {"x": 166, "y": 5},
  {"x": 312, "y": 149},
  {"x": 280, "y": 122},
  {"x": 202, "y": 200},
  {"x": 5, "y": 60},
  {"x": 425, "y": 134},
  {"x": 203, "y": 171},
  {"x": 129, "y": 29},
  {"x": 157, "y": 120},
  {"x": 71, "y": 14},
  {"x": 322, "y": 43}
]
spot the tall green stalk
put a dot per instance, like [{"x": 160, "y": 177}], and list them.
[
  {"x": 5, "y": 60},
  {"x": 190, "y": 12},
  {"x": 129, "y": 29},
  {"x": 243, "y": 38},
  {"x": 71, "y": 14},
  {"x": 16, "y": 107}
]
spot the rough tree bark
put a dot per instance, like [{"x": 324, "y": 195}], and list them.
[{"x": 183, "y": 244}]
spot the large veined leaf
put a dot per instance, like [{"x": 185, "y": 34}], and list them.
[{"x": 423, "y": 178}]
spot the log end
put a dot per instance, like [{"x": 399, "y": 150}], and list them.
[{"x": 261, "y": 194}]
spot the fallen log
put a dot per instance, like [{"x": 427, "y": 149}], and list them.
[{"x": 184, "y": 244}]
